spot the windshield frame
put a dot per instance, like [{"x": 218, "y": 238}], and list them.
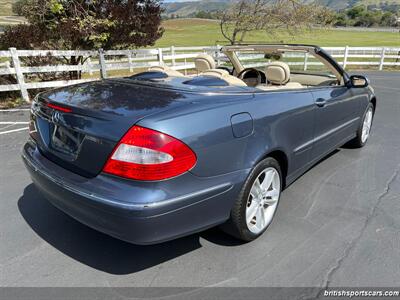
[{"x": 316, "y": 52}]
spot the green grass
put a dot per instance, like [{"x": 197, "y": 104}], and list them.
[{"x": 198, "y": 32}]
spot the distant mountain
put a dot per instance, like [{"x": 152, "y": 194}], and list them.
[
  {"x": 5, "y": 7},
  {"x": 183, "y": 8},
  {"x": 189, "y": 8}
]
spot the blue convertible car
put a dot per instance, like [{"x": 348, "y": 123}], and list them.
[{"x": 160, "y": 155}]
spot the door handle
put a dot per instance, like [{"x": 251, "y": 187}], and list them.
[{"x": 320, "y": 102}]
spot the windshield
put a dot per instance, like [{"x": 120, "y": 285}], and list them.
[{"x": 298, "y": 61}]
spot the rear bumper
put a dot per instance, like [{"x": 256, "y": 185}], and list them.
[{"x": 137, "y": 212}]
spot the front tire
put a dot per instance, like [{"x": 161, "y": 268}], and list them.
[
  {"x": 364, "y": 129},
  {"x": 258, "y": 200}
]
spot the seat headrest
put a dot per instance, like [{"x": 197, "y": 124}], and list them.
[
  {"x": 225, "y": 76},
  {"x": 204, "y": 62},
  {"x": 278, "y": 73},
  {"x": 167, "y": 70},
  {"x": 158, "y": 68},
  {"x": 215, "y": 72}
]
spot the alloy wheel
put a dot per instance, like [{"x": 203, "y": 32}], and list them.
[
  {"x": 367, "y": 125},
  {"x": 263, "y": 200}
]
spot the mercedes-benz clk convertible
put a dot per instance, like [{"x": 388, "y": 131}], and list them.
[{"x": 160, "y": 155}]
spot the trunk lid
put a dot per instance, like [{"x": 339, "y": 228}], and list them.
[{"x": 100, "y": 114}]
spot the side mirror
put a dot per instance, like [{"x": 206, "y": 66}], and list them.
[{"x": 359, "y": 81}]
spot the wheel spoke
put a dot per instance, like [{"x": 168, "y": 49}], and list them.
[
  {"x": 260, "y": 218},
  {"x": 254, "y": 191},
  {"x": 270, "y": 202},
  {"x": 251, "y": 211},
  {"x": 369, "y": 117},
  {"x": 272, "y": 197},
  {"x": 269, "y": 176},
  {"x": 274, "y": 193},
  {"x": 258, "y": 184}
]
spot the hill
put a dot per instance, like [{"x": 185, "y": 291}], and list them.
[
  {"x": 184, "y": 9},
  {"x": 5, "y": 7},
  {"x": 189, "y": 8}
]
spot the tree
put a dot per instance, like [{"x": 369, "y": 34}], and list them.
[
  {"x": 368, "y": 19},
  {"x": 388, "y": 19},
  {"x": 84, "y": 24},
  {"x": 365, "y": 17},
  {"x": 356, "y": 11},
  {"x": 245, "y": 16},
  {"x": 17, "y": 7},
  {"x": 340, "y": 19},
  {"x": 201, "y": 14}
]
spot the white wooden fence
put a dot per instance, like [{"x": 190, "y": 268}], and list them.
[{"x": 99, "y": 63}]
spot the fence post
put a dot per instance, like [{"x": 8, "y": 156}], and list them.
[
  {"x": 160, "y": 57},
  {"x": 382, "y": 59},
  {"x": 19, "y": 74},
  {"x": 103, "y": 66},
  {"x": 130, "y": 61},
  {"x": 346, "y": 53},
  {"x": 173, "y": 55},
  {"x": 217, "y": 55},
  {"x": 305, "y": 61},
  {"x": 89, "y": 66}
]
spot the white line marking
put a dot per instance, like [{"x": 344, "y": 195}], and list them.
[
  {"x": 14, "y": 110},
  {"x": 14, "y": 130},
  {"x": 8, "y": 126},
  {"x": 13, "y": 123}
]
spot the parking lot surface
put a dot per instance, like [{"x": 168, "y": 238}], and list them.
[{"x": 337, "y": 225}]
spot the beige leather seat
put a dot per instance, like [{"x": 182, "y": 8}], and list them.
[
  {"x": 278, "y": 74},
  {"x": 216, "y": 72},
  {"x": 225, "y": 76},
  {"x": 204, "y": 62},
  {"x": 167, "y": 70}
]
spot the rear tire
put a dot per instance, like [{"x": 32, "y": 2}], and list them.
[
  {"x": 364, "y": 128},
  {"x": 257, "y": 202}
]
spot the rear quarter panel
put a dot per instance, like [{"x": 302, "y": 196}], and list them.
[{"x": 281, "y": 121}]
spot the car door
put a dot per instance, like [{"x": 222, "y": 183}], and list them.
[
  {"x": 284, "y": 120},
  {"x": 336, "y": 118}
]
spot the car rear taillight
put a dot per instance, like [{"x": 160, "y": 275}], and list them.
[
  {"x": 146, "y": 154},
  {"x": 60, "y": 108}
]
